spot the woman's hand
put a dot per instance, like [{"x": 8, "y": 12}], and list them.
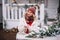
[{"x": 26, "y": 29}]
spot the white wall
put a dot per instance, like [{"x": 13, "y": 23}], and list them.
[{"x": 52, "y": 8}]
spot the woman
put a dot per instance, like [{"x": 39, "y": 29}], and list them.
[{"x": 29, "y": 23}]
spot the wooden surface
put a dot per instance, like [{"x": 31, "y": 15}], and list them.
[{"x": 5, "y": 35}]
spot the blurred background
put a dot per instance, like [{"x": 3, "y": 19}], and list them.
[{"x": 52, "y": 11}]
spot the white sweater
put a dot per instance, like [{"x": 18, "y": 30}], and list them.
[{"x": 34, "y": 26}]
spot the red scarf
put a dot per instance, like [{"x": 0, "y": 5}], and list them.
[{"x": 30, "y": 23}]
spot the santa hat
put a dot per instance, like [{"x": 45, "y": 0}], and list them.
[{"x": 32, "y": 9}]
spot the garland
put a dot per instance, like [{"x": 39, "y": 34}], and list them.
[{"x": 53, "y": 30}]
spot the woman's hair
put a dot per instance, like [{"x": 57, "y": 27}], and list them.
[{"x": 31, "y": 18}]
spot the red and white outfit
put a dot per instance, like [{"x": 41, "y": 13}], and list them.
[{"x": 32, "y": 26}]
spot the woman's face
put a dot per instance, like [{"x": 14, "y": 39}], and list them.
[
  {"x": 29, "y": 13},
  {"x": 29, "y": 16}
]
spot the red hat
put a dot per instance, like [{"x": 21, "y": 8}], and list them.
[{"x": 32, "y": 9}]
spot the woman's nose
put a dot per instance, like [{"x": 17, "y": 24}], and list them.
[{"x": 28, "y": 12}]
